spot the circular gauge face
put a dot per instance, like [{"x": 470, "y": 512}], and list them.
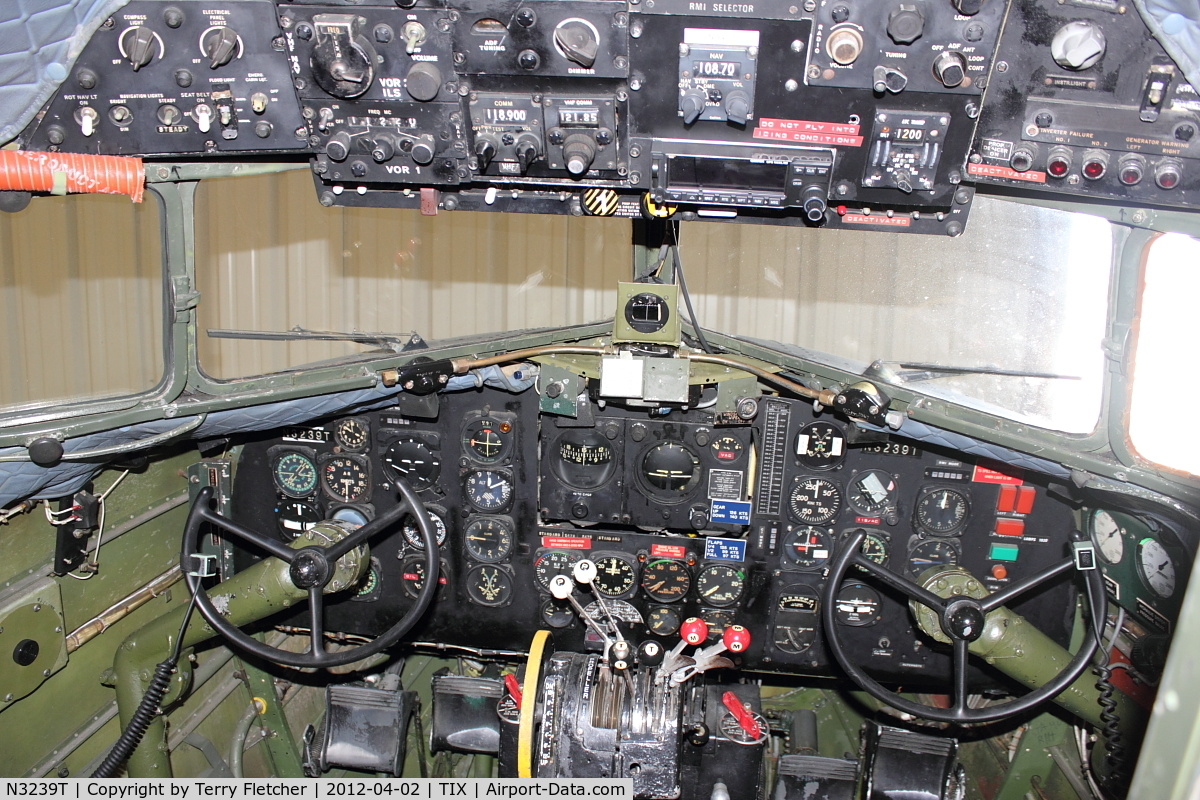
[
  {"x": 1156, "y": 568},
  {"x": 488, "y": 490},
  {"x": 795, "y": 627},
  {"x": 486, "y": 440},
  {"x": 412, "y": 575},
  {"x": 815, "y": 501},
  {"x": 663, "y": 621},
  {"x": 727, "y": 449},
  {"x": 857, "y": 605},
  {"x": 488, "y": 539},
  {"x": 875, "y": 548},
  {"x": 351, "y": 434},
  {"x": 550, "y": 564},
  {"x": 355, "y": 516},
  {"x": 670, "y": 470},
  {"x": 557, "y": 613},
  {"x": 614, "y": 576},
  {"x": 294, "y": 517},
  {"x": 807, "y": 547},
  {"x": 717, "y": 621},
  {"x": 413, "y": 461},
  {"x": 1109, "y": 536},
  {"x": 346, "y": 478},
  {"x": 295, "y": 474},
  {"x": 368, "y": 587},
  {"x": 665, "y": 580},
  {"x": 931, "y": 553},
  {"x": 720, "y": 585},
  {"x": 942, "y": 512},
  {"x": 872, "y": 492},
  {"x": 820, "y": 445},
  {"x": 489, "y": 586},
  {"x": 647, "y": 312},
  {"x": 583, "y": 458},
  {"x": 412, "y": 531}
]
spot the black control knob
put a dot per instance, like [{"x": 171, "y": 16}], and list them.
[
  {"x": 221, "y": 45},
  {"x": 139, "y": 44},
  {"x": 577, "y": 41},
  {"x": 485, "y": 151},
  {"x": 579, "y": 150},
  {"x": 338, "y": 146},
  {"x": 968, "y": 8},
  {"x": 950, "y": 68},
  {"x": 905, "y": 24},
  {"x": 813, "y": 203},
  {"x": 527, "y": 151},
  {"x": 737, "y": 106},
  {"x": 422, "y": 153},
  {"x": 424, "y": 81},
  {"x": 692, "y": 105},
  {"x": 343, "y": 59},
  {"x": 383, "y": 147},
  {"x": 698, "y": 518}
]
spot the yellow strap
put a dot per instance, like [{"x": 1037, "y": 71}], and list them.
[{"x": 533, "y": 671}]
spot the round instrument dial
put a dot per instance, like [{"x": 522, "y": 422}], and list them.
[
  {"x": 727, "y": 449},
  {"x": 820, "y": 445},
  {"x": 294, "y": 517},
  {"x": 295, "y": 474},
  {"x": 666, "y": 580},
  {"x": 489, "y": 539},
  {"x": 413, "y": 461},
  {"x": 875, "y": 548},
  {"x": 857, "y": 605},
  {"x": 663, "y": 621},
  {"x": 351, "y": 434},
  {"x": 872, "y": 492},
  {"x": 815, "y": 501},
  {"x": 942, "y": 511},
  {"x": 615, "y": 576},
  {"x": 931, "y": 553},
  {"x": 553, "y": 563},
  {"x": 717, "y": 621},
  {"x": 412, "y": 576},
  {"x": 346, "y": 478},
  {"x": 1109, "y": 536},
  {"x": 720, "y": 585},
  {"x": 807, "y": 548},
  {"x": 670, "y": 470},
  {"x": 488, "y": 490},
  {"x": 583, "y": 458},
  {"x": 353, "y": 514},
  {"x": 412, "y": 531},
  {"x": 1155, "y": 567},
  {"x": 486, "y": 440},
  {"x": 489, "y": 586},
  {"x": 557, "y": 613}
]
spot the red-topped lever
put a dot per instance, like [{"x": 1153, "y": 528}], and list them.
[
  {"x": 693, "y": 630},
  {"x": 736, "y": 639},
  {"x": 744, "y": 718}
]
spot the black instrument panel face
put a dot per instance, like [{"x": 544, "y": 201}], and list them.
[{"x": 519, "y": 498}]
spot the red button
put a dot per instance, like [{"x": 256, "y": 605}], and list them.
[
  {"x": 1025, "y": 499},
  {"x": 1010, "y": 527},
  {"x": 1008, "y": 499},
  {"x": 999, "y": 572}
]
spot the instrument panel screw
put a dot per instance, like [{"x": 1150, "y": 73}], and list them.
[{"x": 1001, "y": 66}]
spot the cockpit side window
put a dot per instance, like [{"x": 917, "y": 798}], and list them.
[
  {"x": 1162, "y": 373},
  {"x": 81, "y": 293},
  {"x": 269, "y": 259}
]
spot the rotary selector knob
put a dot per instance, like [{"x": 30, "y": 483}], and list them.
[
  {"x": 139, "y": 45},
  {"x": 527, "y": 150},
  {"x": 221, "y": 45},
  {"x": 950, "y": 68},
  {"x": 383, "y": 147},
  {"x": 905, "y": 24},
  {"x": 579, "y": 150},
  {"x": 485, "y": 151},
  {"x": 692, "y": 105},
  {"x": 577, "y": 41},
  {"x": 1078, "y": 45},
  {"x": 422, "y": 153},
  {"x": 737, "y": 106},
  {"x": 424, "y": 81},
  {"x": 343, "y": 59},
  {"x": 338, "y": 146}
]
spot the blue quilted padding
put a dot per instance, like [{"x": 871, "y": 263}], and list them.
[{"x": 39, "y": 42}]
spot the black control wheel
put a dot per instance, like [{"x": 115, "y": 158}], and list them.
[
  {"x": 963, "y": 620},
  {"x": 312, "y": 568}
]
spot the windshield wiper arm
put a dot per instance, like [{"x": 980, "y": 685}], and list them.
[
  {"x": 916, "y": 371},
  {"x": 391, "y": 341}
]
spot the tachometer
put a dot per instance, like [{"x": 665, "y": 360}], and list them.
[
  {"x": 347, "y": 478},
  {"x": 615, "y": 576},
  {"x": 412, "y": 531},
  {"x": 820, "y": 445},
  {"x": 1155, "y": 567},
  {"x": 412, "y": 460},
  {"x": 815, "y": 501},
  {"x": 1109, "y": 536},
  {"x": 295, "y": 474},
  {"x": 872, "y": 492},
  {"x": 720, "y": 585},
  {"x": 942, "y": 511},
  {"x": 666, "y": 580},
  {"x": 488, "y": 490},
  {"x": 489, "y": 539}
]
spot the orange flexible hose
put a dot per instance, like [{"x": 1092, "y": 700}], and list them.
[{"x": 60, "y": 173}]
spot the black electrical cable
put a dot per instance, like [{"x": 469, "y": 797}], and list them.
[
  {"x": 1111, "y": 721},
  {"x": 687, "y": 299},
  {"x": 147, "y": 709}
]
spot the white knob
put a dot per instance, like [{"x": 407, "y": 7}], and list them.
[
  {"x": 560, "y": 587},
  {"x": 585, "y": 571}
]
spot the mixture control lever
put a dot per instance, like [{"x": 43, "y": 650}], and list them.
[{"x": 735, "y": 639}]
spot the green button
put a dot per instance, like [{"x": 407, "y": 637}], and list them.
[{"x": 1003, "y": 552}]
